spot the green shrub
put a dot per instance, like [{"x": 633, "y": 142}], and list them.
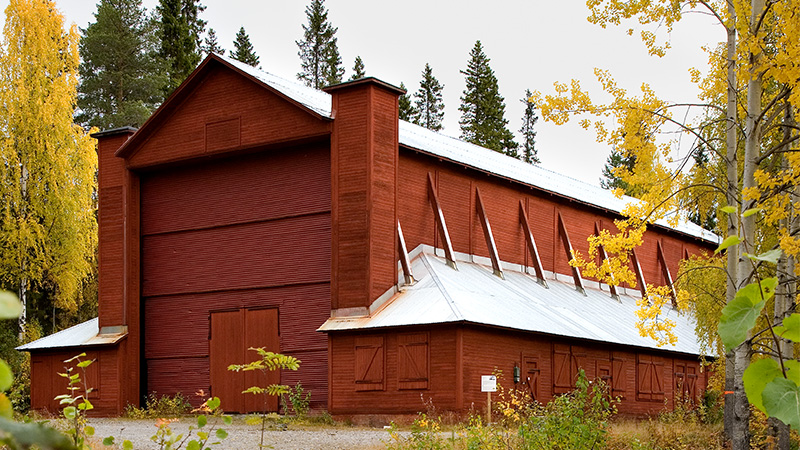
[
  {"x": 573, "y": 421},
  {"x": 299, "y": 399},
  {"x": 163, "y": 406}
]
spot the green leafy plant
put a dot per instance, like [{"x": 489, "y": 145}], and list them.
[
  {"x": 771, "y": 385},
  {"x": 299, "y": 399},
  {"x": 207, "y": 432},
  {"x": 576, "y": 420},
  {"x": 268, "y": 362},
  {"x": 77, "y": 400},
  {"x": 16, "y": 435},
  {"x": 160, "y": 406}
]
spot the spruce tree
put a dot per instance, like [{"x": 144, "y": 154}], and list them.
[
  {"x": 618, "y": 162},
  {"x": 529, "y": 119},
  {"x": 405, "y": 105},
  {"x": 358, "y": 69},
  {"x": 429, "y": 107},
  {"x": 121, "y": 77},
  {"x": 320, "y": 62},
  {"x": 180, "y": 29},
  {"x": 243, "y": 49},
  {"x": 211, "y": 45},
  {"x": 483, "y": 108}
]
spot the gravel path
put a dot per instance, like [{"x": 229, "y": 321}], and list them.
[{"x": 243, "y": 436}]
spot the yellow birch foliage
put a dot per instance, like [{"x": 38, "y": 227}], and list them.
[
  {"x": 47, "y": 164},
  {"x": 631, "y": 123}
]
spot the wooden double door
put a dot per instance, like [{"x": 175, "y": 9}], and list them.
[{"x": 232, "y": 334}]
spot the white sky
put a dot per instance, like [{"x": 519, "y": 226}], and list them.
[{"x": 531, "y": 44}]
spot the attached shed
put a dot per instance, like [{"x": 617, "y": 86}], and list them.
[{"x": 252, "y": 211}]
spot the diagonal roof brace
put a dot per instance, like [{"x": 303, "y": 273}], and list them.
[
  {"x": 531, "y": 244},
  {"x": 487, "y": 234},
  {"x": 440, "y": 223},
  {"x": 576, "y": 273},
  {"x": 612, "y": 286}
]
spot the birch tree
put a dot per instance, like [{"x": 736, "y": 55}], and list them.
[
  {"x": 747, "y": 93},
  {"x": 47, "y": 163}
]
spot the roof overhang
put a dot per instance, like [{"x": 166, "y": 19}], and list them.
[
  {"x": 83, "y": 335},
  {"x": 473, "y": 294}
]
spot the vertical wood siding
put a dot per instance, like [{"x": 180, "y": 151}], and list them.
[{"x": 455, "y": 186}]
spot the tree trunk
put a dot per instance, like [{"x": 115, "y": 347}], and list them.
[
  {"x": 733, "y": 200},
  {"x": 784, "y": 295},
  {"x": 740, "y": 433}
]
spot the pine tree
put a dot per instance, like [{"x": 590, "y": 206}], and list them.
[
  {"x": 529, "y": 119},
  {"x": 319, "y": 53},
  {"x": 121, "y": 76},
  {"x": 483, "y": 108},
  {"x": 211, "y": 45},
  {"x": 180, "y": 29},
  {"x": 47, "y": 178},
  {"x": 358, "y": 69},
  {"x": 617, "y": 165},
  {"x": 406, "y": 108},
  {"x": 243, "y": 49},
  {"x": 429, "y": 107}
]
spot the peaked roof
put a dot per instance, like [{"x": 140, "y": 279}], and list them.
[
  {"x": 426, "y": 141},
  {"x": 473, "y": 294}
]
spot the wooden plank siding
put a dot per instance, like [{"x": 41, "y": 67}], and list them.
[
  {"x": 223, "y": 101},
  {"x": 455, "y": 186},
  {"x": 233, "y": 235}
]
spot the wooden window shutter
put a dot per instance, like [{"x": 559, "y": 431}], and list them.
[
  {"x": 680, "y": 381},
  {"x": 578, "y": 362},
  {"x": 619, "y": 379},
  {"x": 530, "y": 375},
  {"x": 369, "y": 363},
  {"x": 649, "y": 377},
  {"x": 562, "y": 376},
  {"x": 691, "y": 383},
  {"x": 412, "y": 361}
]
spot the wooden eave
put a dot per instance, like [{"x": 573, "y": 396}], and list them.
[{"x": 173, "y": 102}]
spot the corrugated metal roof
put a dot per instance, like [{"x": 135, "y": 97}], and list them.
[
  {"x": 81, "y": 335},
  {"x": 473, "y": 294},
  {"x": 461, "y": 152}
]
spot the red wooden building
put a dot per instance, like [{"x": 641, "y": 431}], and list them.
[{"x": 250, "y": 210}]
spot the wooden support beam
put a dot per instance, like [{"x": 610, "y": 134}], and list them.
[
  {"x": 637, "y": 268},
  {"x": 531, "y": 244},
  {"x": 487, "y": 234},
  {"x": 604, "y": 256},
  {"x": 665, "y": 271},
  {"x": 440, "y": 223},
  {"x": 404, "y": 261},
  {"x": 576, "y": 273}
]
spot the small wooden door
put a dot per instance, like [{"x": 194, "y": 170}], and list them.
[{"x": 232, "y": 334}]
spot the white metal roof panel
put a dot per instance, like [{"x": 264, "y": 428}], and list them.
[
  {"x": 450, "y": 148},
  {"x": 473, "y": 294},
  {"x": 461, "y": 152},
  {"x": 81, "y": 335}
]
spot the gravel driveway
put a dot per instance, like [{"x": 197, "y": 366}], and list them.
[{"x": 243, "y": 436}]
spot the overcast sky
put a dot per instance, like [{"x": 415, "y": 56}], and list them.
[{"x": 531, "y": 45}]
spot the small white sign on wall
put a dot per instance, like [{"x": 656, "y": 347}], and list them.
[{"x": 488, "y": 383}]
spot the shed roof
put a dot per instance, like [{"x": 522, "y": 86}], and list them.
[
  {"x": 81, "y": 335},
  {"x": 473, "y": 294},
  {"x": 452, "y": 149}
]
